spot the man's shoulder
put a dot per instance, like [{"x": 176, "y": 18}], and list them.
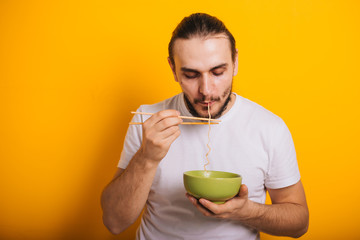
[{"x": 258, "y": 112}]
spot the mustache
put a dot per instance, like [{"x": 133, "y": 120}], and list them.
[{"x": 203, "y": 99}]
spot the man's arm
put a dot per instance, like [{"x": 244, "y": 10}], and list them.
[
  {"x": 288, "y": 214},
  {"x": 125, "y": 196}
]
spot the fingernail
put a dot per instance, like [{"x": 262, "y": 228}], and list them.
[
  {"x": 202, "y": 201},
  {"x": 192, "y": 199}
]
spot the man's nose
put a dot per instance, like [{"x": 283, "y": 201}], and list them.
[{"x": 205, "y": 85}]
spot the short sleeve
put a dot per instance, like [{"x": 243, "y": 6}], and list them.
[
  {"x": 283, "y": 169},
  {"x": 132, "y": 141}
]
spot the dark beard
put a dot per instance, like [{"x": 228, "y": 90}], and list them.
[{"x": 196, "y": 114}]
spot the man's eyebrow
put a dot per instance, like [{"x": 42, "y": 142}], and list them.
[
  {"x": 219, "y": 66},
  {"x": 185, "y": 69}
]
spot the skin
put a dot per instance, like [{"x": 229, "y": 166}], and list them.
[
  {"x": 125, "y": 196},
  {"x": 286, "y": 216},
  {"x": 204, "y": 69}
]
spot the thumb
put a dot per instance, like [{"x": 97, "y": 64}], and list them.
[{"x": 243, "y": 192}]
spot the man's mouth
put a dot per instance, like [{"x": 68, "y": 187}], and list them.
[{"x": 207, "y": 103}]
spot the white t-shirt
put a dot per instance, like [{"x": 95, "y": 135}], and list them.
[{"x": 250, "y": 141}]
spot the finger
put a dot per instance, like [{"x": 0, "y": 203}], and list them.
[
  {"x": 166, "y": 133},
  {"x": 213, "y": 207},
  {"x": 239, "y": 200},
  {"x": 244, "y": 191},
  {"x": 168, "y": 122},
  {"x": 199, "y": 207},
  {"x": 166, "y": 142},
  {"x": 220, "y": 211},
  {"x": 155, "y": 127},
  {"x": 174, "y": 135},
  {"x": 162, "y": 124},
  {"x": 157, "y": 117}
]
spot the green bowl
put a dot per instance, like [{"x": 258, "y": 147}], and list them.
[{"x": 215, "y": 186}]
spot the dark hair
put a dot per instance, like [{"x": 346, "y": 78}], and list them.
[{"x": 200, "y": 25}]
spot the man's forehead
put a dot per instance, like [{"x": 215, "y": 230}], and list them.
[{"x": 198, "y": 50}]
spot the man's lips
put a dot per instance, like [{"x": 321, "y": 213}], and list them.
[{"x": 206, "y": 103}]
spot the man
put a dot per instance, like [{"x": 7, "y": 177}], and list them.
[{"x": 249, "y": 140}]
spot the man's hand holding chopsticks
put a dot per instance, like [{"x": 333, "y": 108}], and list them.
[{"x": 159, "y": 132}]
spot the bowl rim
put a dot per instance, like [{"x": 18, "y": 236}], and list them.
[{"x": 236, "y": 174}]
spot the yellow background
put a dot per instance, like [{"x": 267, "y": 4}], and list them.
[{"x": 71, "y": 72}]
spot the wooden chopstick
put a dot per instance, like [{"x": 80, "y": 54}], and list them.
[
  {"x": 183, "y": 117},
  {"x": 183, "y": 123}
]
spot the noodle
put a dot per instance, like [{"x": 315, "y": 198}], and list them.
[{"x": 208, "y": 144}]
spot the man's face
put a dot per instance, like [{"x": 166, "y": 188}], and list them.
[{"x": 204, "y": 69}]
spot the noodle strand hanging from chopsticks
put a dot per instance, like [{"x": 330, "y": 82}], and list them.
[{"x": 208, "y": 144}]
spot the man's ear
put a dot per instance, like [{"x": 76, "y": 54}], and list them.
[
  {"x": 172, "y": 69},
  {"x": 236, "y": 63}
]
